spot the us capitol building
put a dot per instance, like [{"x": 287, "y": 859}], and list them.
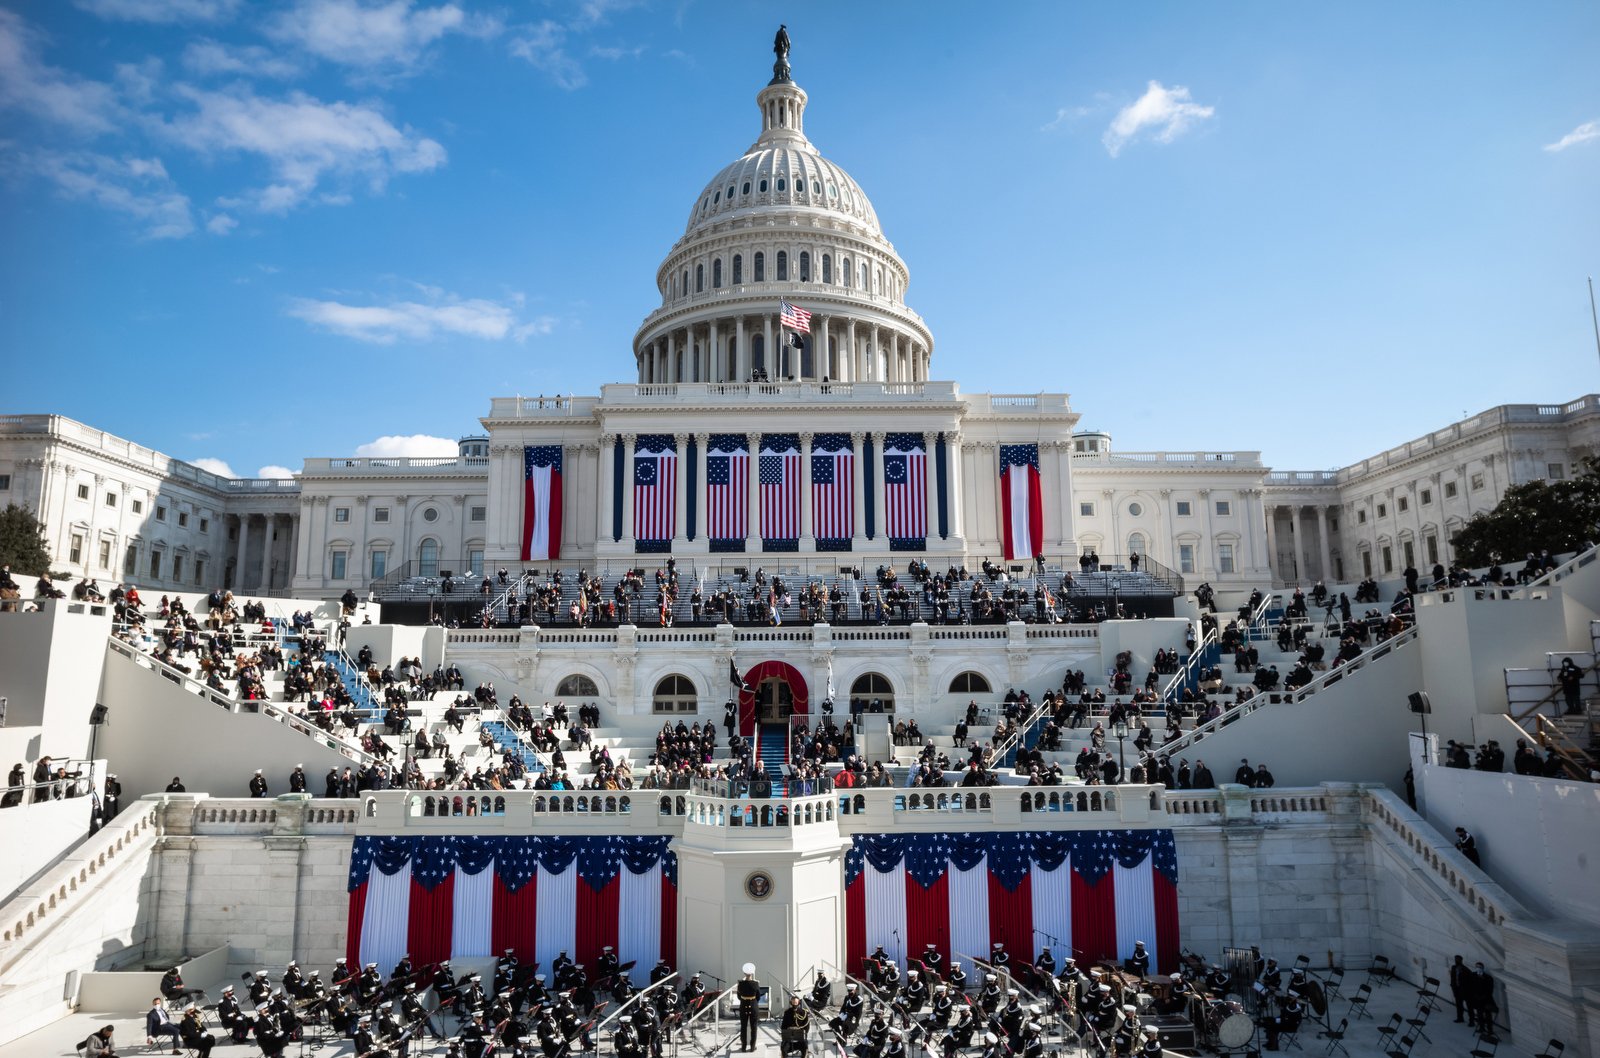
[{"x": 785, "y": 415}]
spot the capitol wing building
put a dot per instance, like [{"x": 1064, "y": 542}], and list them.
[{"x": 868, "y": 562}]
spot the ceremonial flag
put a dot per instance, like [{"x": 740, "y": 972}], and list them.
[
  {"x": 471, "y": 896},
  {"x": 1021, "y": 501},
  {"x": 655, "y": 472},
  {"x": 780, "y": 487},
  {"x": 727, "y": 487},
  {"x": 905, "y": 488},
  {"x": 833, "y": 514},
  {"x": 1090, "y": 894},
  {"x": 795, "y": 318},
  {"x": 541, "y": 517}
]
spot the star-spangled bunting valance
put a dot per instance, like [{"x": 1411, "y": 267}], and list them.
[
  {"x": 515, "y": 859},
  {"x": 1011, "y": 855}
]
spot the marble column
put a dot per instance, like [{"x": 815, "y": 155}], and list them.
[
  {"x": 607, "y": 475},
  {"x": 714, "y": 365},
  {"x": 627, "y": 493},
  {"x": 1272, "y": 543},
  {"x": 1297, "y": 568},
  {"x": 741, "y": 351},
  {"x": 808, "y": 535},
  {"x": 680, "y": 490},
  {"x": 857, "y": 488},
  {"x": 930, "y": 491},
  {"x": 854, "y": 368},
  {"x": 952, "y": 455},
  {"x": 243, "y": 553},
  {"x": 771, "y": 361},
  {"x": 752, "y": 538},
  {"x": 877, "y": 489},
  {"x": 700, "y": 494},
  {"x": 1322, "y": 543}
]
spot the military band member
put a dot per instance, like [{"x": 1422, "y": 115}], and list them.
[
  {"x": 796, "y": 1025},
  {"x": 192, "y": 1030},
  {"x": 915, "y": 995},
  {"x": 1045, "y": 964},
  {"x": 998, "y": 957},
  {"x": 293, "y": 980},
  {"x": 260, "y": 988},
  {"x": 269, "y": 1037},
  {"x": 416, "y": 1013},
  {"x": 932, "y": 961},
  {"x": 845, "y": 1023},
  {"x": 990, "y": 997},
  {"x": 626, "y": 1041},
  {"x": 957, "y": 978},
  {"x": 1139, "y": 962},
  {"x": 660, "y": 971}
]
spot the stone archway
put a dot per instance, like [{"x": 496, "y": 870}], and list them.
[{"x": 799, "y": 696}]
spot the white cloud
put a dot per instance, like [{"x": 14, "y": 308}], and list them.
[
  {"x": 396, "y": 445},
  {"x": 161, "y": 10},
  {"x": 1165, "y": 113},
  {"x": 395, "y": 33},
  {"x": 210, "y": 58},
  {"x": 617, "y": 52},
  {"x": 136, "y": 187},
  {"x": 1589, "y": 130},
  {"x": 543, "y": 45},
  {"x": 303, "y": 140},
  {"x": 49, "y": 93},
  {"x": 441, "y": 313},
  {"x": 221, "y": 224},
  {"x": 273, "y": 470},
  {"x": 216, "y": 466}
]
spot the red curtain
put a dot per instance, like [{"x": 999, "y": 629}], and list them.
[
  {"x": 855, "y": 925},
  {"x": 669, "y": 920},
  {"x": 430, "y": 922},
  {"x": 515, "y": 916},
  {"x": 1011, "y": 918},
  {"x": 597, "y": 919},
  {"x": 1094, "y": 918},
  {"x": 928, "y": 917},
  {"x": 358, "y": 912},
  {"x": 1166, "y": 900},
  {"x": 799, "y": 696}
]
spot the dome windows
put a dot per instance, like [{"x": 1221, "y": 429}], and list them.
[
  {"x": 782, "y": 185},
  {"x": 833, "y": 192},
  {"x": 730, "y": 192},
  {"x": 716, "y": 274},
  {"x": 844, "y": 270},
  {"x": 805, "y": 267},
  {"x": 783, "y": 262},
  {"x": 716, "y": 198},
  {"x": 761, "y": 267},
  {"x": 738, "y": 268},
  {"x": 827, "y": 268},
  {"x": 763, "y": 185},
  {"x": 685, "y": 287},
  {"x": 816, "y": 187},
  {"x": 699, "y": 278},
  {"x": 746, "y": 187}
]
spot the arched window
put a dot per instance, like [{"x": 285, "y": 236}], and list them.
[
  {"x": 783, "y": 265},
  {"x": 738, "y": 269},
  {"x": 746, "y": 189},
  {"x": 844, "y": 270},
  {"x": 805, "y": 266},
  {"x": 782, "y": 185},
  {"x": 763, "y": 185},
  {"x": 827, "y": 268},
  {"x": 577, "y": 686},
  {"x": 1136, "y": 545},
  {"x": 874, "y": 691},
  {"x": 699, "y": 278},
  {"x": 675, "y": 694},
  {"x": 685, "y": 287},
  {"x": 716, "y": 274},
  {"x": 761, "y": 266},
  {"x": 428, "y": 558},
  {"x": 969, "y": 683},
  {"x": 863, "y": 278}
]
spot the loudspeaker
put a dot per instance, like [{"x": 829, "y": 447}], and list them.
[
  {"x": 97, "y": 715},
  {"x": 1418, "y": 700}
]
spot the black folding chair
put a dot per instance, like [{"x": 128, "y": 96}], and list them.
[
  {"x": 1358, "y": 1002},
  {"x": 1335, "y": 1038}
]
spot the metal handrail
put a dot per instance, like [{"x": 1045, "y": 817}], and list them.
[
  {"x": 1012, "y": 742},
  {"x": 1560, "y": 573},
  {"x": 1299, "y": 694},
  {"x": 1547, "y": 699},
  {"x": 1577, "y": 761},
  {"x": 713, "y": 1005},
  {"x": 635, "y": 998},
  {"x": 1192, "y": 662}
]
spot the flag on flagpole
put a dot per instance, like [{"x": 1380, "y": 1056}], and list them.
[
  {"x": 1021, "y": 501},
  {"x": 541, "y": 519},
  {"x": 795, "y": 318}
]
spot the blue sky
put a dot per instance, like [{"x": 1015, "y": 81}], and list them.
[{"x": 254, "y": 233}]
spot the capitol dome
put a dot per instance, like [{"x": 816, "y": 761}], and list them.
[{"x": 782, "y": 224}]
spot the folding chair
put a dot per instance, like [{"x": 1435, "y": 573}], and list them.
[
  {"x": 1358, "y": 1002},
  {"x": 1429, "y": 991},
  {"x": 1290, "y": 1038},
  {"x": 1553, "y": 1049},
  {"x": 1381, "y": 972},
  {"x": 1481, "y": 1051},
  {"x": 1421, "y": 1020},
  {"x": 1335, "y": 1038},
  {"x": 1387, "y": 1034},
  {"x": 1302, "y": 962},
  {"x": 1404, "y": 1049},
  {"x": 1333, "y": 981}
]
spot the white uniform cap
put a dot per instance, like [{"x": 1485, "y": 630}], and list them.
[
  {"x": 1151, "y": 1030},
  {"x": 748, "y": 968},
  {"x": 990, "y": 1037}
]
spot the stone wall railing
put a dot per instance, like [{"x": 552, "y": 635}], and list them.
[
  {"x": 1437, "y": 857},
  {"x": 37, "y": 906}
]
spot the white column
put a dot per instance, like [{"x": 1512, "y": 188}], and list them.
[
  {"x": 302, "y": 541},
  {"x": 700, "y": 495},
  {"x": 930, "y": 492},
  {"x": 741, "y": 352},
  {"x": 879, "y": 536},
  {"x": 808, "y": 536},
  {"x": 1272, "y": 542},
  {"x": 767, "y": 355},
  {"x": 243, "y": 553},
  {"x": 752, "y": 540},
  {"x": 1322, "y": 543},
  {"x": 680, "y": 488},
  {"x": 627, "y": 493},
  {"x": 819, "y": 347},
  {"x": 858, "y": 488},
  {"x": 952, "y": 456},
  {"x": 294, "y": 551},
  {"x": 1298, "y": 569},
  {"x": 607, "y": 476},
  {"x": 854, "y": 369},
  {"x": 714, "y": 370}
]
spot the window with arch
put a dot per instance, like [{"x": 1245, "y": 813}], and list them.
[
  {"x": 863, "y": 278},
  {"x": 428, "y": 558},
  {"x": 970, "y": 683},
  {"x": 816, "y": 187},
  {"x": 746, "y": 189},
  {"x": 827, "y": 268},
  {"x": 738, "y": 269},
  {"x": 874, "y": 691},
  {"x": 577, "y": 686},
  {"x": 805, "y": 266},
  {"x": 675, "y": 694},
  {"x": 761, "y": 267},
  {"x": 1136, "y": 544},
  {"x": 699, "y": 278},
  {"x": 716, "y": 274},
  {"x": 844, "y": 270},
  {"x": 783, "y": 265},
  {"x": 685, "y": 287},
  {"x": 730, "y": 192},
  {"x": 783, "y": 185},
  {"x": 763, "y": 185}
]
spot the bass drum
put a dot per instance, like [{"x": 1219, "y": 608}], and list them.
[
  {"x": 1235, "y": 1030},
  {"x": 1316, "y": 997}
]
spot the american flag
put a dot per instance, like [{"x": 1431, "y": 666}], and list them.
[
  {"x": 905, "y": 487},
  {"x": 833, "y": 487},
  {"x": 727, "y": 487},
  {"x": 780, "y": 487},
  {"x": 796, "y": 318},
  {"x": 655, "y": 472}
]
